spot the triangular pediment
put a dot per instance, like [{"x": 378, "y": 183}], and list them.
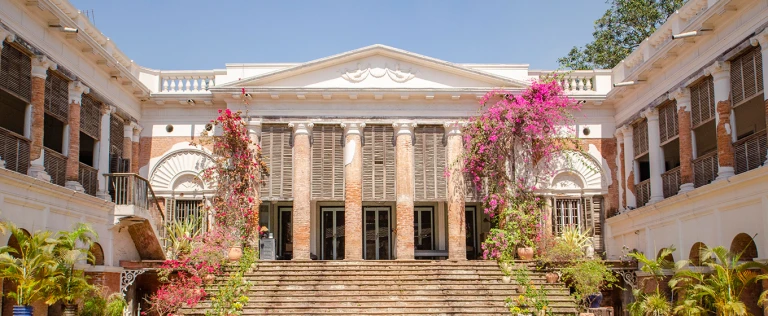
[{"x": 377, "y": 67}]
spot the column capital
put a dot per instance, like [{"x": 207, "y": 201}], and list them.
[
  {"x": 107, "y": 109},
  {"x": 254, "y": 127},
  {"x": 761, "y": 39},
  {"x": 627, "y": 131},
  {"x": 76, "y": 90},
  {"x": 136, "y": 132},
  {"x": 353, "y": 128},
  {"x": 40, "y": 66},
  {"x": 6, "y": 36},
  {"x": 619, "y": 134},
  {"x": 404, "y": 128},
  {"x": 683, "y": 98},
  {"x": 453, "y": 128},
  {"x": 719, "y": 70},
  {"x": 651, "y": 114},
  {"x": 301, "y": 128}
]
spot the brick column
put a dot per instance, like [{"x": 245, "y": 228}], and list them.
[
  {"x": 254, "y": 134},
  {"x": 721, "y": 73},
  {"x": 353, "y": 186},
  {"x": 404, "y": 173},
  {"x": 457, "y": 235},
  {"x": 629, "y": 166},
  {"x": 76, "y": 90},
  {"x": 620, "y": 170},
  {"x": 683, "y": 98},
  {"x": 762, "y": 40},
  {"x": 103, "y": 162},
  {"x": 135, "y": 139},
  {"x": 40, "y": 66},
  {"x": 655, "y": 155},
  {"x": 301, "y": 189},
  {"x": 128, "y": 142}
]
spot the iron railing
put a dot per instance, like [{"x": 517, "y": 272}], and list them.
[
  {"x": 749, "y": 152},
  {"x": 89, "y": 178},
  {"x": 14, "y": 149},
  {"x": 643, "y": 190},
  {"x": 670, "y": 180},
  {"x": 705, "y": 169},
  {"x": 132, "y": 189},
  {"x": 55, "y": 165}
]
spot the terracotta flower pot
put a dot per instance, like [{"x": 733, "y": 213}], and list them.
[
  {"x": 506, "y": 279},
  {"x": 235, "y": 253},
  {"x": 525, "y": 253},
  {"x": 552, "y": 277}
]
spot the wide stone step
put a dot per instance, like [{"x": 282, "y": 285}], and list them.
[
  {"x": 386, "y": 310},
  {"x": 419, "y": 292},
  {"x": 359, "y": 281},
  {"x": 387, "y": 303}
]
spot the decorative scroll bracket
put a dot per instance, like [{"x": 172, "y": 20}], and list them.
[
  {"x": 127, "y": 277},
  {"x": 629, "y": 277}
]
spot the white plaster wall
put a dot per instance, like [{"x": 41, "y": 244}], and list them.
[{"x": 713, "y": 214}]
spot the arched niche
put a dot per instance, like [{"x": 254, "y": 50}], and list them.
[
  {"x": 696, "y": 253},
  {"x": 669, "y": 258},
  {"x": 179, "y": 171},
  {"x": 98, "y": 254},
  {"x": 744, "y": 246}
]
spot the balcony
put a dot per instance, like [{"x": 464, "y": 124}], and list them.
[
  {"x": 55, "y": 165},
  {"x": 671, "y": 182},
  {"x": 705, "y": 169},
  {"x": 89, "y": 178},
  {"x": 643, "y": 190},
  {"x": 14, "y": 150},
  {"x": 749, "y": 152},
  {"x": 136, "y": 207}
]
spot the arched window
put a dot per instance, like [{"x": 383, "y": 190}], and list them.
[
  {"x": 744, "y": 246},
  {"x": 669, "y": 258},
  {"x": 696, "y": 252},
  {"x": 98, "y": 254}
]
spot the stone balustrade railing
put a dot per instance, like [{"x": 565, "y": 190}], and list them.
[
  {"x": 186, "y": 82},
  {"x": 580, "y": 82}
]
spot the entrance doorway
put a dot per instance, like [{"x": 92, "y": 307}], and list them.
[
  {"x": 469, "y": 221},
  {"x": 423, "y": 228},
  {"x": 332, "y": 233},
  {"x": 378, "y": 236},
  {"x": 285, "y": 240}
]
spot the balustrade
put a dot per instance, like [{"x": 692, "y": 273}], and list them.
[
  {"x": 133, "y": 190},
  {"x": 14, "y": 150},
  {"x": 671, "y": 182},
  {"x": 89, "y": 178},
  {"x": 55, "y": 165},
  {"x": 749, "y": 152},
  {"x": 643, "y": 190},
  {"x": 193, "y": 82},
  {"x": 705, "y": 169}
]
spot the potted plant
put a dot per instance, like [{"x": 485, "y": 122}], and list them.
[
  {"x": 655, "y": 303},
  {"x": 31, "y": 267},
  {"x": 99, "y": 303},
  {"x": 588, "y": 277},
  {"x": 70, "y": 284}
]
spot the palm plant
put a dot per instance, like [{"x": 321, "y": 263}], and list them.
[
  {"x": 654, "y": 303},
  {"x": 70, "y": 284},
  {"x": 721, "y": 288},
  {"x": 180, "y": 233},
  {"x": 32, "y": 267}
]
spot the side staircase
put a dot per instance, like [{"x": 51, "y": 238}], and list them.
[{"x": 385, "y": 288}]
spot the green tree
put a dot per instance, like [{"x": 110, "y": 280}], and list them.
[
  {"x": 619, "y": 31},
  {"x": 71, "y": 248},
  {"x": 32, "y": 267}
]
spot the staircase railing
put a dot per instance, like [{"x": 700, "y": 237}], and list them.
[{"x": 133, "y": 189}]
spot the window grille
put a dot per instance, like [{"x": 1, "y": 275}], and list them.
[
  {"x": 16, "y": 72},
  {"x": 277, "y": 152},
  {"x": 702, "y": 102},
  {"x": 567, "y": 212},
  {"x": 186, "y": 210},
  {"x": 668, "y": 121},
  {"x": 379, "y": 163},
  {"x": 57, "y": 96},
  {"x": 429, "y": 163},
  {"x": 640, "y": 138},
  {"x": 746, "y": 76},
  {"x": 328, "y": 162}
]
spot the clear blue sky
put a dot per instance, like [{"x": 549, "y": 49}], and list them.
[{"x": 176, "y": 34}]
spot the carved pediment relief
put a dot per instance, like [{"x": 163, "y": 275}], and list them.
[{"x": 394, "y": 72}]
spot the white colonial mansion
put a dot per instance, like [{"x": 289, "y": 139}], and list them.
[{"x": 357, "y": 143}]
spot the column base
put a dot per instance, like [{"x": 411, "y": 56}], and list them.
[
  {"x": 74, "y": 185},
  {"x": 655, "y": 199},
  {"x": 37, "y": 171},
  {"x": 2, "y": 164},
  {"x": 686, "y": 187},
  {"x": 724, "y": 173},
  {"x": 104, "y": 196}
]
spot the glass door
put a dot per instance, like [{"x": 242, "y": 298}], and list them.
[
  {"x": 285, "y": 240},
  {"x": 332, "y": 233},
  {"x": 377, "y": 232},
  {"x": 423, "y": 230},
  {"x": 469, "y": 220}
]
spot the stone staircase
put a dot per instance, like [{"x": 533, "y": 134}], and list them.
[{"x": 417, "y": 287}]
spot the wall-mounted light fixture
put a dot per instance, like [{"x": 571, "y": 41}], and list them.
[
  {"x": 627, "y": 83},
  {"x": 64, "y": 28},
  {"x": 191, "y": 102},
  {"x": 690, "y": 34}
]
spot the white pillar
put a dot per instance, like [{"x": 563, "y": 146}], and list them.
[
  {"x": 629, "y": 165},
  {"x": 103, "y": 151},
  {"x": 721, "y": 75},
  {"x": 655, "y": 155},
  {"x": 762, "y": 40}
]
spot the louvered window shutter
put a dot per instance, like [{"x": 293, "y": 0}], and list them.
[
  {"x": 668, "y": 121},
  {"x": 90, "y": 117},
  {"x": 746, "y": 76},
  {"x": 16, "y": 72},
  {"x": 597, "y": 217},
  {"x": 429, "y": 159},
  {"x": 57, "y": 96},
  {"x": 170, "y": 209},
  {"x": 327, "y": 163},
  {"x": 276, "y": 150},
  {"x": 702, "y": 102},
  {"x": 378, "y": 163},
  {"x": 640, "y": 138}
]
